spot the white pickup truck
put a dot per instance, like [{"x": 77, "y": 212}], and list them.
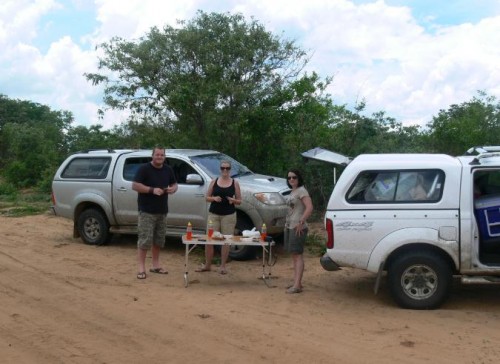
[
  {"x": 421, "y": 218},
  {"x": 94, "y": 189}
]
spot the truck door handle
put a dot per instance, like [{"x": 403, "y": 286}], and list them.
[
  {"x": 122, "y": 189},
  {"x": 199, "y": 195}
]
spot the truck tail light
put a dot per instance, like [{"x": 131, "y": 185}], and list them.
[
  {"x": 329, "y": 232},
  {"x": 53, "y": 198}
]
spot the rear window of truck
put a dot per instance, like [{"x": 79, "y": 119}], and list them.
[
  {"x": 397, "y": 186},
  {"x": 87, "y": 168}
]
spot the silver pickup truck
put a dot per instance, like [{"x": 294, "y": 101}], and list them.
[{"x": 94, "y": 189}]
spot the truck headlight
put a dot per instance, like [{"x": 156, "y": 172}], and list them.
[{"x": 270, "y": 198}]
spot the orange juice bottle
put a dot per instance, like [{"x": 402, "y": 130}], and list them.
[
  {"x": 263, "y": 232},
  {"x": 189, "y": 231},
  {"x": 210, "y": 230}
]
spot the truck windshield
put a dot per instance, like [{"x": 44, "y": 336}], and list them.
[{"x": 211, "y": 164}]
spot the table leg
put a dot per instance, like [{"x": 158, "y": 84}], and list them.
[
  {"x": 186, "y": 258},
  {"x": 264, "y": 263}
]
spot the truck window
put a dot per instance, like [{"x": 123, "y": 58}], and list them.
[
  {"x": 413, "y": 186},
  {"x": 181, "y": 169},
  {"x": 486, "y": 182},
  {"x": 132, "y": 165},
  {"x": 88, "y": 168}
]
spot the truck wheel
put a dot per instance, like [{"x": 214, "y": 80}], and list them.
[
  {"x": 241, "y": 252},
  {"x": 93, "y": 227},
  {"x": 419, "y": 280}
]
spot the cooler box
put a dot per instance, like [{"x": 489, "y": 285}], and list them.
[{"x": 487, "y": 211}]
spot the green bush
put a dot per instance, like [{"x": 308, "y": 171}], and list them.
[
  {"x": 45, "y": 182},
  {"x": 315, "y": 244},
  {"x": 8, "y": 189}
]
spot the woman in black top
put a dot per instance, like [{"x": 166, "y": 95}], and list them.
[{"x": 223, "y": 194}]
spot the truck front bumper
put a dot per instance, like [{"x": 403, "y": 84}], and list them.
[{"x": 328, "y": 264}]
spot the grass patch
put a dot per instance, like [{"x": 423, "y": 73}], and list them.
[
  {"x": 315, "y": 244},
  {"x": 24, "y": 203}
]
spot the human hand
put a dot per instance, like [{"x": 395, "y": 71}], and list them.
[
  {"x": 217, "y": 198},
  {"x": 158, "y": 191},
  {"x": 169, "y": 190}
]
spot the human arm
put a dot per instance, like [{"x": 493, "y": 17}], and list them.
[
  {"x": 172, "y": 188},
  {"x": 306, "y": 200},
  {"x": 142, "y": 188},
  {"x": 236, "y": 200}
]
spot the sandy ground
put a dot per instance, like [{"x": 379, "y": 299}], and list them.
[{"x": 66, "y": 302}]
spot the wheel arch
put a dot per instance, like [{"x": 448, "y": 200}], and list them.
[
  {"x": 405, "y": 249},
  {"x": 403, "y": 240},
  {"x": 243, "y": 217}
]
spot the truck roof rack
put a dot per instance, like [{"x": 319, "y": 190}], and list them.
[
  {"x": 482, "y": 153},
  {"x": 478, "y": 150},
  {"x": 96, "y": 150}
]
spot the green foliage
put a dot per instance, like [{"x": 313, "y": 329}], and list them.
[
  {"x": 315, "y": 244},
  {"x": 216, "y": 82},
  {"x": 221, "y": 82},
  {"x": 15, "y": 204},
  {"x": 32, "y": 139},
  {"x": 472, "y": 123},
  {"x": 7, "y": 190}
]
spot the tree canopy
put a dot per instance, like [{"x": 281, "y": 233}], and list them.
[
  {"x": 472, "y": 123},
  {"x": 221, "y": 82},
  {"x": 216, "y": 81}
]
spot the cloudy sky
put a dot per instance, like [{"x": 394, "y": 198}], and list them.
[{"x": 410, "y": 58}]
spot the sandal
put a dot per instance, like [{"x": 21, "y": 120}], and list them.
[
  {"x": 222, "y": 271},
  {"x": 203, "y": 268},
  {"x": 141, "y": 275},
  {"x": 288, "y": 286},
  {"x": 292, "y": 290},
  {"x": 158, "y": 271}
]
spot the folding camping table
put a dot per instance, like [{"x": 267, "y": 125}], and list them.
[{"x": 234, "y": 240}]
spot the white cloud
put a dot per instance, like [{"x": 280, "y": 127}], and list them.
[
  {"x": 19, "y": 19},
  {"x": 379, "y": 53},
  {"x": 374, "y": 51},
  {"x": 134, "y": 18}
]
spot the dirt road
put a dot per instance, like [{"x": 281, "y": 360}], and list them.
[{"x": 66, "y": 302}]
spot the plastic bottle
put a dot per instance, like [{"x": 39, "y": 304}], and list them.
[
  {"x": 210, "y": 229},
  {"x": 263, "y": 232},
  {"x": 189, "y": 231}
]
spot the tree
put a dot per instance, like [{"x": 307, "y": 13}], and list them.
[
  {"x": 32, "y": 140},
  {"x": 216, "y": 82},
  {"x": 472, "y": 123}
]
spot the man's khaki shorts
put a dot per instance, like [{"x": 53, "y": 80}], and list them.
[{"x": 151, "y": 230}]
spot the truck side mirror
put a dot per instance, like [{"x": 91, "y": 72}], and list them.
[{"x": 194, "y": 179}]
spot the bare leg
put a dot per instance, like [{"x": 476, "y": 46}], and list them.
[
  {"x": 155, "y": 251},
  {"x": 141, "y": 259},
  {"x": 209, "y": 256},
  {"x": 224, "y": 253},
  {"x": 298, "y": 270}
]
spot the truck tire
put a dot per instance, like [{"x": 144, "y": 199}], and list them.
[
  {"x": 93, "y": 227},
  {"x": 419, "y": 280},
  {"x": 241, "y": 252}
]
